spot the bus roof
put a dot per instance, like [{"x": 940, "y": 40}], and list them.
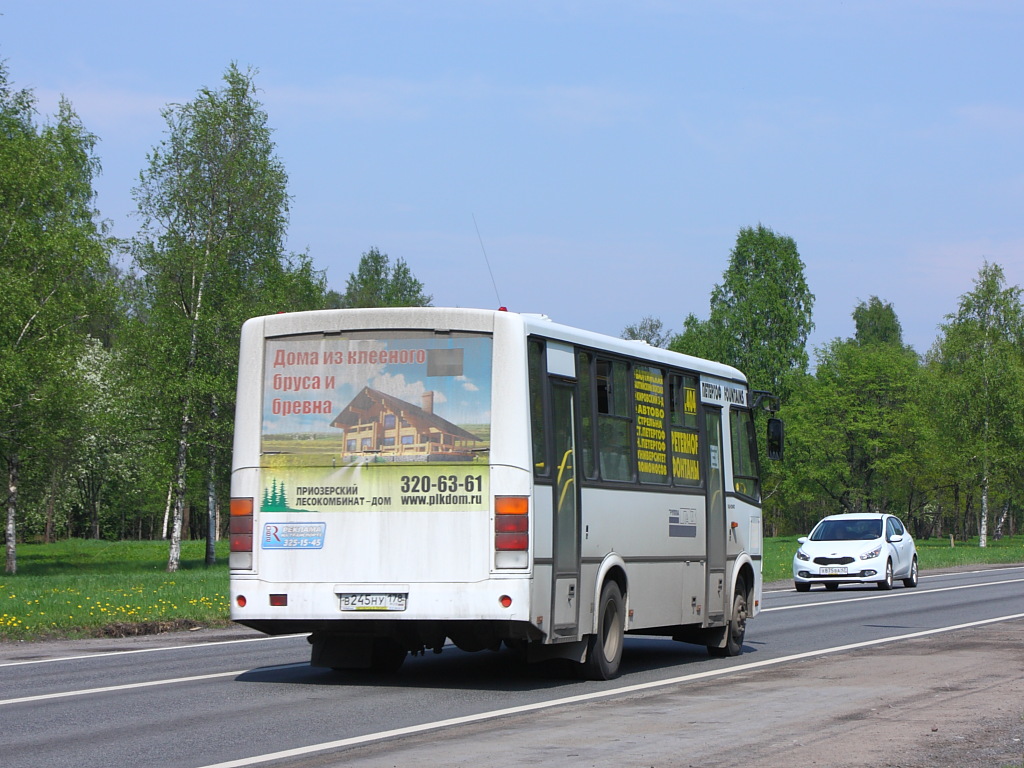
[{"x": 544, "y": 326}]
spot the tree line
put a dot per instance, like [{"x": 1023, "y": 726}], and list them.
[
  {"x": 873, "y": 426},
  {"x": 118, "y": 358},
  {"x": 117, "y": 384}
]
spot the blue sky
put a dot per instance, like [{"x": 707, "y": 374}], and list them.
[{"x": 609, "y": 152}]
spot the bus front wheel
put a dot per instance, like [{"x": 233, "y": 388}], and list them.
[
  {"x": 604, "y": 650},
  {"x": 736, "y": 629}
]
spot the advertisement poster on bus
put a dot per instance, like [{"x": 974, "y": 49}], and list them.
[{"x": 396, "y": 421}]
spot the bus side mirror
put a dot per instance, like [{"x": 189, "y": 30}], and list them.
[{"x": 776, "y": 437}]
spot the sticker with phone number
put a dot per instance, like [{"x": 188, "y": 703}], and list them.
[{"x": 294, "y": 535}]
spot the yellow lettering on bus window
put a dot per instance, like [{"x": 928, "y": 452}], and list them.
[{"x": 690, "y": 400}]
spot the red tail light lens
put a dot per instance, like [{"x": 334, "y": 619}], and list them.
[
  {"x": 511, "y": 524},
  {"x": 511, "y": 542},
  {"x": 240, "y": 531},
  {"x": 240, "y": 528}
]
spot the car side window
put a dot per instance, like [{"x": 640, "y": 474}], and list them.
[{"x": 897, "y": 526}]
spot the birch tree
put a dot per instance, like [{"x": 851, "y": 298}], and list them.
[
  {"x": 980, "y": 358},
  {"x": 214, "y": 205}
]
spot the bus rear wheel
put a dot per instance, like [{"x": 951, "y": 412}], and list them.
[{"x": 604, "y": 649}]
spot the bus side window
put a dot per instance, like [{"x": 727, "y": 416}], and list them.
[
  {"x": 651, "y": 434},
  {"x": 586, "y": 380},
  {"x": 535, "y": 357},
  {"x": 685, "y": 437},
  {"x": 745, "y": 472},
  {"x": 613, "y": 422}
]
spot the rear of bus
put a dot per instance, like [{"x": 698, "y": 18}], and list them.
[{"x": 370, "y": 505}]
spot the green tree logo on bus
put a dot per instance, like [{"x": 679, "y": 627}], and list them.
[{"x": 275, "y": 499}]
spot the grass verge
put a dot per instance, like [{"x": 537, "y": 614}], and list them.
[{"x": 80, "y": 588}]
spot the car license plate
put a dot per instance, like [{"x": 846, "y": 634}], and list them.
[
  {"x": 832, "y": 571},
  {"x": 373, "y": 602}
]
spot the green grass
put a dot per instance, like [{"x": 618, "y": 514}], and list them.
[
  {"x": 81, "y": 588},
  {"x": 932, "y": 553}
]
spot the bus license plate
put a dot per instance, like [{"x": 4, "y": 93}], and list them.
[
  {"x": 833, "y": 571},
  {"x": 373, "y": 602}
]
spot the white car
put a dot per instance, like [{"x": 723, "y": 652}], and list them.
[{"x": 856, "y": 549}]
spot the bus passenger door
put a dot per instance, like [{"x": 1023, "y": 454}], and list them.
[
  {"x": 716, "y": 541},
  {"x": 565, "y": 610}
]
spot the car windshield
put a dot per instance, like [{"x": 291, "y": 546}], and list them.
[{"x": 847, "y": 530}]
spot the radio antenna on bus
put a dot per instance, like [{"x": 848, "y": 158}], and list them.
[{"x": 487, "y": 262}]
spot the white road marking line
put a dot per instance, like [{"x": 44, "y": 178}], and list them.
[
  {"x": 149, "y": 684},
  {"x": 498, "y": 713},
  {"x": 894, "y": 593},
  {"x": 104, "y": 654}
]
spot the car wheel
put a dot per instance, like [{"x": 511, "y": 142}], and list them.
[
  {"x": 604, "y": 650},
  {"x": 886, "y": 583},
  {"x": 911, "y": 581},
  {"x": 832, "y": 586},
  {"x": 802, "y": 586}
]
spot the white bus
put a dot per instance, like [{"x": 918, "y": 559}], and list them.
[{"x": 407, "y": 477}]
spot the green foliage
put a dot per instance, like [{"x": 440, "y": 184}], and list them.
[
  {"x": 936, "y": 441},
  {"x": 378, "y": 283},
  {"x": 649, "y": 329},
  {"x": 853, "y": 429},
  {"x": 210, "y": 252},
  {"x": 874, "y": 427},
  {"x": 877, "y": 323},
  {"x": 698, "y": 338},
  {"x": 760, "y": 313},
  {"x": 979, "y": 362},
  {"x": 54, "y": 271},
  {"x": 116, "y": 387}
]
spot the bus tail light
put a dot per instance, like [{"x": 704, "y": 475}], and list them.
[
  {"x": 511, "y": 531},
  {"x": 240, "y": 531}
]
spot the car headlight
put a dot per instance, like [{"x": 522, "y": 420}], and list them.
[
  {"x": 801, "y": 555},
  {"x": 872, "y": 554}
]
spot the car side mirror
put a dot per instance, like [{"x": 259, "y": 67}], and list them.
[
  {"x": 776, "y": 438},
  {"x": 895, "y": 539}
]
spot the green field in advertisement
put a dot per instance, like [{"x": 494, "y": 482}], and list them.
[{"x": 383, "y": 421}]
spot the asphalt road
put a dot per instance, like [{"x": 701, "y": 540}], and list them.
[{"x": 234, "y": 698}]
